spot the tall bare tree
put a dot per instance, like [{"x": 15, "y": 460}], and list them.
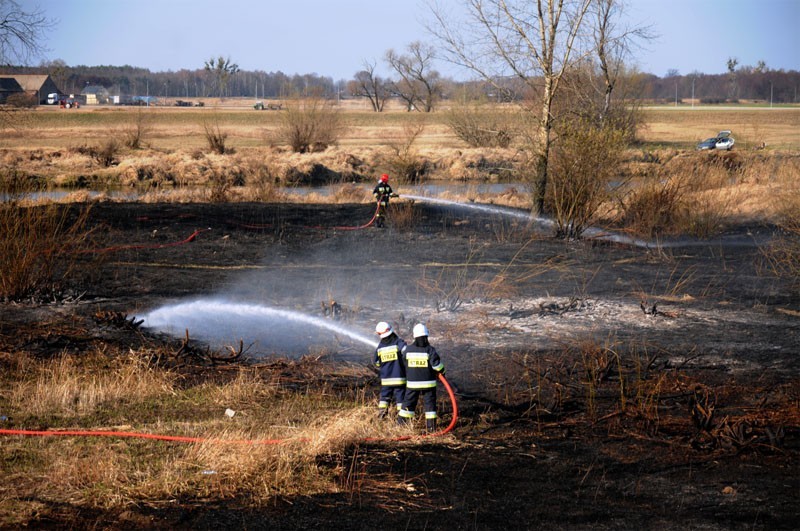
[
  {"x": 368, "y": 84},
  {"x": 419, "y": 84},
  {"x": 221, "y": 70},
  {"x": 532, "y": 41},
  {"x": 732, "y": 63},
  {"x": 21, "y": 32},
  {"x": 613, "y": 43}
]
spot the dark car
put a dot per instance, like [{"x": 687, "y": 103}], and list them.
[{"x": 723, "y": 141}]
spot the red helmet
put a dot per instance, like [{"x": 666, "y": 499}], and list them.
[{"x": 385, "y": 178}]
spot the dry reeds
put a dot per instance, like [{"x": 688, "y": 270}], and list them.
[
  {"x": 65, "y": 386},
  {"x": 291, "y": 431},
  {"x": 39, "y": 248},
  {"x": 783, "y": 253}
]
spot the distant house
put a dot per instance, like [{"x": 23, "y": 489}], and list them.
[
  {"x": 8, "y": 86},
  {"x": 39, "y": 85}
]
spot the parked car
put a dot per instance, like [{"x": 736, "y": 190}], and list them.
[{"x": 723, "y": 141}]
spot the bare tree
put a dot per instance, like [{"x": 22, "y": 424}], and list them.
[
  {"x": 732, "y": 63},
  {"x": 21, "y": 32},
  {"x": 221, "y": 70},
  {"x": 369, "y": 85},
  {"x": 612, "y": 45},
  {"x": 419, "y": 85},
  {"x": 531, "y": 41}
]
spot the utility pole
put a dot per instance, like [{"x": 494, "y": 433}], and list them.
[{"x": 770, "y": 94}]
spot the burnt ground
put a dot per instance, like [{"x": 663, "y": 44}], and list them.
[{"x": 600, "y": 385}]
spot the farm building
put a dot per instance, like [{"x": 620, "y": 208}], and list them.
[
  {"x": 39, "y": 85},
  {"x": 8, "y": 86}
]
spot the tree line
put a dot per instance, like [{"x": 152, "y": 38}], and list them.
[{"x": 415, "y": 82}]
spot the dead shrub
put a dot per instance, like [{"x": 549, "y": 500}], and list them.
[
  {"x": 783, "y": 253},
  {"x": 652, "y": 209},
  {"x": 405, "y": 164},
  {"x": 585, "y": 159},
  {"x": 135, "y": 133},
  {"x": 402, "y": 216},
  {"x": 39, "y": 249},
  {"x": 106, "y": 153},
  {"x": 309, "y": 125},
  {"x": 480, "y": 126},
  {"x": 215, "y": 138}
]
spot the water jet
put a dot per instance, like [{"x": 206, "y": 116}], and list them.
[{"x": 221, "y": 322}]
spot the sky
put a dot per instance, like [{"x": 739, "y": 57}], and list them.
[{"x": 334, "y": 37}]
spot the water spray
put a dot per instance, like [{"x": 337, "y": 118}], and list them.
[
  {"x": 591, "y": 232},
  {"x": 196, "y": 315}
]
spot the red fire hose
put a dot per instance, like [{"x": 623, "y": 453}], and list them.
[
  {"x": 175, "y": 438},
  {"x": 191, "y": 238},
  {"x": 357, "y": 227}
]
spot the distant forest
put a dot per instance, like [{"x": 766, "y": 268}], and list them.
[{"x": 745, "y": 83}]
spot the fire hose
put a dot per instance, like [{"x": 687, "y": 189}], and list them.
[
  {"x": 176, "y": 438},
  {"x": 115, "y": 248},
  {"x": 322, "y": 227},
  {"x": 357, "y": 227}
]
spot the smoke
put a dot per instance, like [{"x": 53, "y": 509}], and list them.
[
  {"x": 279, "y": 309},
  {"x": 369, "y": 274}
]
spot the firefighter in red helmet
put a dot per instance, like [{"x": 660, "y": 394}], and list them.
[{"x": 382, "y": 192}]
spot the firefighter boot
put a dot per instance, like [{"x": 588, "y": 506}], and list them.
[{"x": 430, "y": 425}]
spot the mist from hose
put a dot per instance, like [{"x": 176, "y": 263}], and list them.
[
  {"x": 222, "y": 321},
  {"x": 544, "y": 223}
]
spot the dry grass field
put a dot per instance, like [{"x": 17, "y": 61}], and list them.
[
  {"x": 182, "y": 128},
  {"x": 778, "y": 128},
  {"x": 85, "y": 149},
  {"x": 600, "y": 385}
]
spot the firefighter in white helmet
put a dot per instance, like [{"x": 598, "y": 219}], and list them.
[
  {"x": 388, "y": 359},
  {"x": 423, "y": 367}
]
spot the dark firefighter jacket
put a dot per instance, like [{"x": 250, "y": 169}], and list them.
[
  {"x": 388, "y": 359},
  {"x": 422, "y": 366},
  {"x": 382, "y": 192}
]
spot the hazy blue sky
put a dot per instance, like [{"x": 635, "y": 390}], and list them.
[{"x": 334, "y": 37}]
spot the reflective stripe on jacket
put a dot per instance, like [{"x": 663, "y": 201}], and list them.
[
  {"x": 388, "y": 358},
  {"x": 382, "y": 192},
  {"x": 422, "y": 367}
]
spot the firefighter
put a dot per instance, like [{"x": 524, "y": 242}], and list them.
[
  {"x": 382, "y": 192},
  {"x": 388, "y": 359},
  {"x": 422, "y": 366}
]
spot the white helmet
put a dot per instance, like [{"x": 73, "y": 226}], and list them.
[
  {"x": 383, "y": 329},
  {"x": 420, "y": 330}
]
